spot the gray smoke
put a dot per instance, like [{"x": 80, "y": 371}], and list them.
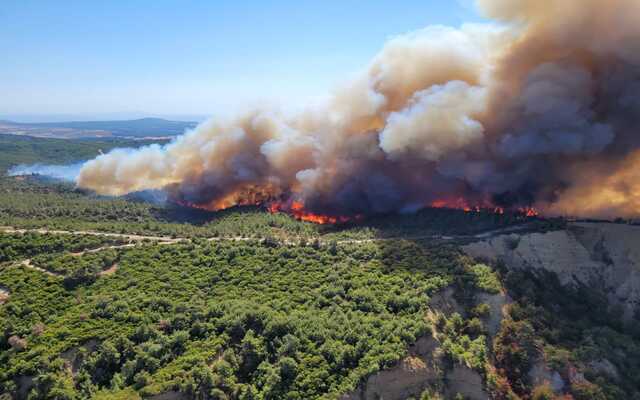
[
  {"x": 540, "y": 108},
  {"x": 68, "y": 173}
]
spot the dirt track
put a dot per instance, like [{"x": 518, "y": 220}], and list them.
[
  {"x": 27, "y": 264},
  {"x": 166, "y": 240},
  {"x": 173, "y": 240},
  {"x": 135, "y": 238}
]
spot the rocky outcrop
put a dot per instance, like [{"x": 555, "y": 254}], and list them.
[
  {"x": 421, "y": 369},
  {"x": 603, "y": 256},
  {"x": 462, "y": 380},
  {"x": 497, "y": 310},
  {"x": 425, "y": 367},
  {"x": 444, "y": 302}
]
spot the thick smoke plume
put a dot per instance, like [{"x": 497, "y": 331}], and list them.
[{"x": 540, "y": 108}]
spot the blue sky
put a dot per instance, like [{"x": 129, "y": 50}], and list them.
[{"x": 183, "y": 58}]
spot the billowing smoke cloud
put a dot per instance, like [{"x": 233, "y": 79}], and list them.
[{"x": 540, "y": 108}]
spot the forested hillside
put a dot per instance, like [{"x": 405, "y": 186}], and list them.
[
  {"x": 245, "y": 320},
  {"x": 125, "y": 298},
  {"x": 15, "y": 150}
]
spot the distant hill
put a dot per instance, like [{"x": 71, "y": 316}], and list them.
[
  {"x": 138, "y": 128},
  {"x": 16, "y": 150}
]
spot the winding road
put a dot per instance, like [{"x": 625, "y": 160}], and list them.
[{"x": 167, "y": 240}]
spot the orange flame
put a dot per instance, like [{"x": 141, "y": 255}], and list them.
[
  {"x": 296, "y": 209},
  {"x": 484, "y": 206},
  {"x": 251, "y": 195},
  {"x": 217, "y": 205},
  {"x": 529, "y": 212}
]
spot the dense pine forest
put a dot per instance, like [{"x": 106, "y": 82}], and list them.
[{"x": 126, "y": 298}]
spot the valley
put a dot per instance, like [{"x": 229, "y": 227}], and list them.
[
  {"x": 121, "y": 298},
  {"x": 417, "y": 200},
  {"x": 139, "y": 129}
]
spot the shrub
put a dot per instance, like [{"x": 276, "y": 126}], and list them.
[
  {"x": 587, "y": 391},
  {"x": 515, "y": 351},
  {"x": 481, "y": 310},
  {"x": 17, "y": 343},
  {"x": 543, "y": 392},
  {"x": 486, "y": 279},
  {"x": 38, "y": 329}
]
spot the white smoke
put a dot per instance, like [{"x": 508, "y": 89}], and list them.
[
  {"x": 508, "y": 111},
  {"x": 67, "y": 173}
]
